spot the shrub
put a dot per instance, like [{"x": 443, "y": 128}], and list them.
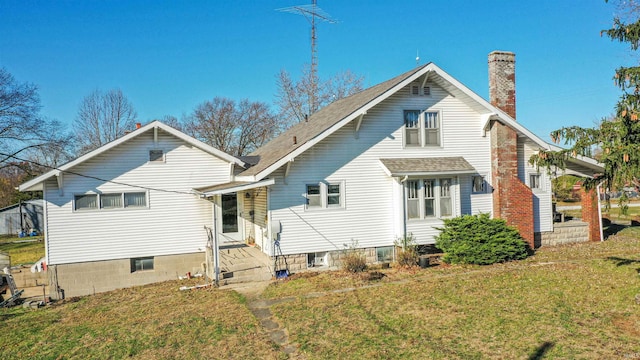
[
  {"x": 354, "y": 259},
  {"x": 407, "y": 255},
  {"x": 478, "y": 239}
]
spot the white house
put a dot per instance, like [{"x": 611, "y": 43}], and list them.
[{"x": 392, "y": 160}]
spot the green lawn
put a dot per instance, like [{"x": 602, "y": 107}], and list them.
[
  {"x": 567, "y": 302},
  {"x": 23, "y": 250}
]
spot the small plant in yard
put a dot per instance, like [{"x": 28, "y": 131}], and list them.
[
  {"x": 480, "y": 240},
  {"x": 407, "y": 255},
  {"x": 354, "y": 259}
]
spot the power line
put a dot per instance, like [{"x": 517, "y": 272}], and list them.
[{"x": 8, "y": 156}]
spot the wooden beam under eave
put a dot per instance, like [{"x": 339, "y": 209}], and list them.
[
  {"x": 426, "y": 77},
  {"x": 60, "y": 179},
  {"x": 286, "y": 170},
  {"x": 358, "y": 124},
  {"x": 155, "y": 136}
]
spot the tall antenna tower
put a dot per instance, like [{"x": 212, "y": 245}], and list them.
[{"x": 311, "y": 12}]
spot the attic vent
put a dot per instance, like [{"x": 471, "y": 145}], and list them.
[
  {"x": 156, "y": 156},
  {"x": 416, "y": 90}
]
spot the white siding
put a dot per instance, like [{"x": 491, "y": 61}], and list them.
[
  {"x": 173, "y": 222},
  {"x": 371, "y": 199},
  {"x": 542, "y": 198}
]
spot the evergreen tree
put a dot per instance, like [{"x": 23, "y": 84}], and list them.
[{"x": 616, "y": 140}]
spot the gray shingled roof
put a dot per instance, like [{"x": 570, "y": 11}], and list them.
[
  {"x": 319, "y": 122},
  {"x": 425, "y": 166}
]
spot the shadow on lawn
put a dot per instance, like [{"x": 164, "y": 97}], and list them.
[
  {"x": 541, "y": 350},
  {"x": 622, "y": 261}
]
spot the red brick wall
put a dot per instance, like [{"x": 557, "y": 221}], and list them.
[
  {"x": 518, "y": 209},
  {"x": 590, "y": 213},
  {"x": 512, "y": 200}
]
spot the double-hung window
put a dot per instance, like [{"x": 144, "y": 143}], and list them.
[
  {"x": 421, "y": 128},
  {"x": 535, "y": 182},
  {"x": 429, "y": 198},
  {"x": 324, "y": 195}
]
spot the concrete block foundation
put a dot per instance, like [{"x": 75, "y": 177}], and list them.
[{"x": 79, "y": 279}]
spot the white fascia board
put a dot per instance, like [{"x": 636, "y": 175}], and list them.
[
  {"x": 432, "y": 173},
  {"x": 243, "y": 187},
  {"x": 36, "y": 183},
  {"x": 502, "y": 116},
  {"x": 358, "y": 112}
]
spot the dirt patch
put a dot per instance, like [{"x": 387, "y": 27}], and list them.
[{"x": 630, "y": 325}]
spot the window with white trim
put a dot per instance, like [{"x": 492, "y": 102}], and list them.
[
  {"x": 109, "y": 201},
  {"x": 430, "y": 198},
  {"x": 136, "y": 199},
  {"x": 85, "y": 202},
  {"x": 478, "y": 184},
  {"x": 314, "y": 198},
  {"x": 535, "y": 182},
  {"x": 325, "y": 195},
  {"x": 421, "y": 128}
]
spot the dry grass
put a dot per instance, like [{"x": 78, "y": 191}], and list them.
[
  {"x": 567, "y": 302},
  {"x": 575, "y": 301},
  {"x": 150, "y": 322},
  {"x": 23, "y": 250}
]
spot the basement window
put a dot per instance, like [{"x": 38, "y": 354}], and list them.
[
  {"x": 141, "y": 264},
  {"x": 317, "y": 259},
  {"x": 384, "y": 254}
]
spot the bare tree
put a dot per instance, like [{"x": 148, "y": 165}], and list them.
[
  {"x": 103, "y": 117},
  {"x": 235, "y": 128},
  {"x": 298, "y": 99},
  {"x": 25, "y": 136}
]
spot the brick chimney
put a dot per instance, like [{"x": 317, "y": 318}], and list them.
[
  {"x": 502, "y": 81},
  {"x": 512, "y": 199}
]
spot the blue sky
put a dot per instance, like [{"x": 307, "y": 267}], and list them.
[{"x": 169, "y": 56}]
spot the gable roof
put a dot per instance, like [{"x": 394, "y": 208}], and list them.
[
  {"x": 329, "y": 119},
  {"x": 36, "y": 183}
]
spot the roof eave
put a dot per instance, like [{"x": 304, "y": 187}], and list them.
[{"x": 356, "y": 113}]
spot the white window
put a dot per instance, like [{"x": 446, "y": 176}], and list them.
[
  {"x": 412, "y": 128},
  {"x": 85, "y": 202},
  {"x": 141, "y": 264},
  {"x": 325, "y": 195},
  {"x": 314, "y": 198},
  {"x": 333, "y": 195},
  {"x": 156, "y": 155},
  {"x": 137, "y": 199},
  {"x": 111, "y": 201},
  {"x": 421, "y": 128},
  {"x": 430, "y": 198},
  {"x": 478, "y": 184},
  {"x": 534, "y": 182}
]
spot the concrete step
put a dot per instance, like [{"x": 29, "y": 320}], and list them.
[{"x": 243, "y": 264}]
